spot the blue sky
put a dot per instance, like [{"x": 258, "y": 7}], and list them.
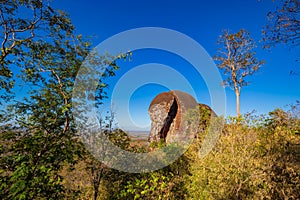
[{"x": 271, "y": 87}]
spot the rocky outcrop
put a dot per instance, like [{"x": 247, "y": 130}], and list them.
[{"x": 168, "y": 112}]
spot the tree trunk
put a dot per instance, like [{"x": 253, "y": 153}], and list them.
[
  {"x": 95, "y": 193},
  {"x": 96, "y": 176},
  {"x": 238, "y": 111}
]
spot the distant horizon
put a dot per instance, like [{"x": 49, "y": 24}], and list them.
[
  {"x": 138, "y": 134},
  {"x": 138, "y": 131}
]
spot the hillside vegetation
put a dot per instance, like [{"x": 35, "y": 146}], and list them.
[{"x": 256, "y": 157}]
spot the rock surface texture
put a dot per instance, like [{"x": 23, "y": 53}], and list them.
[{"x": 168, "y": 112}]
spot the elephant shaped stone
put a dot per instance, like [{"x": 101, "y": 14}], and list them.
[{"x": 168, "y": 113}]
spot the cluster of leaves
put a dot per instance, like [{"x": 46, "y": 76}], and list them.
[{"x": 25, "y": 26}]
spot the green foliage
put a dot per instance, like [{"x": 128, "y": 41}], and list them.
[
  {"x": 256, "y": 158},
  {"x": 166, "y": 183},
  {"x": 100, "y": 173},
  {"x": 38, "y": 134},
  {"x": 156, "y": 145},
  {"x": 21, "y": 33},
  {"x": 38, "y": 139},
  {"x": 147, "y": 186}
]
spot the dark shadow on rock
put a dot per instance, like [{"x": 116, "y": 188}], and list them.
[{"x": 169, "y": 120}]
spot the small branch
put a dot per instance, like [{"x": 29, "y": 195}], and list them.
[{"x": 66, "y": 101}]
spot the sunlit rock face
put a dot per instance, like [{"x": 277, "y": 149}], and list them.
[
  {"x": 163, "y": 117},
  {"x": 167, "y": 113}
]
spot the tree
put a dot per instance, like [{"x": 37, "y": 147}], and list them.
[
  {"x": 118, "y": 137},
  {"x": 40, "y": 138},
  {"x": 23, "y": 23},
  {"x": 283, "y": 25},
  {"x": 237, "y": 60},
  {"x": 39, "y": 44}
]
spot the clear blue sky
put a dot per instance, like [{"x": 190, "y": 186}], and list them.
[{"x": 271, "y": 87}]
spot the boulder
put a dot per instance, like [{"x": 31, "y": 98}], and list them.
[{"x": 168, "y": 112}]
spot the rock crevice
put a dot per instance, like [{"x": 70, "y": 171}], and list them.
[{"x": 167, "y": 113}]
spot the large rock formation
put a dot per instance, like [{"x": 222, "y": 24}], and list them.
[{"x": 168, "y": 116}]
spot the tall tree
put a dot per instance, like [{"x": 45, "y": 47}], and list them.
[
  {"x": 283, "y": 24},
  {"x": 236, "y": 58},
  {"x": 40, "y": 138}
]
